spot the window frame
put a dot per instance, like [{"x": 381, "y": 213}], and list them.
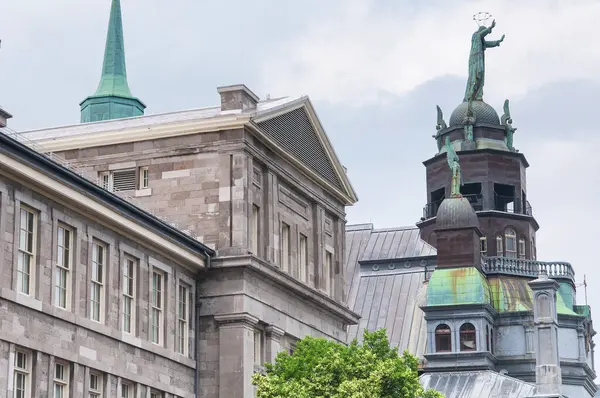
[
  {"x": 499, "y": 246},
  {"x": 130, "y": 389},
  {"x": 100, "y": 285},
  {"x": 259, "y": 349},
  {"x": 97, "y": 392},
  {"x": 444, "y": 331},
  {"x": 63, "y": 272},
  {"x": 25, "y": 372},
  {"x": 510, "y": 235},
  {"x": 483, "y": 245},
  {"x": 27, "y": 252},
  {"x": 183, "y": 305},
  {"x": 521, "y": 248},
  {"x": 157, "y": 306},
  {"x": 464, "y": 332},
  {"x": 61, "y": 382},
  {"x": 129, "y": 261},
  {"x": 143, "y": 177}
]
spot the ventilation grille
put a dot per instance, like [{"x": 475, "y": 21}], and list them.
[
  {"x": 294, "y": 132},
  {"x": 124, "y": 180}
]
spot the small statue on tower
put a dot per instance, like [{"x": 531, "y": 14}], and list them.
[
  {"x": 441, "y": 125},
  {"x": 469, "y": 122},
  {"x": 454, "y": 169},
  {"x": 508, "y": 128}
]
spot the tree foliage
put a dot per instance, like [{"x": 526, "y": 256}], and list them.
[{"x": 320, "y": 368}]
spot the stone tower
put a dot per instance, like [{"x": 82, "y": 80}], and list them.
[
  {"x": 112, "y": 99},
  {"x": 482, "y": 300}
]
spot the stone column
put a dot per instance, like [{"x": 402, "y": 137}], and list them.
[
  {"x": 548, "y": 376},
  {"x": 236, "y": 354},
  {"x": 273, "y": 337}
]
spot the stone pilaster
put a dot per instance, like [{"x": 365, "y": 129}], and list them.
[
  {"x": 581, "y": 343},
  {"x": 273, "y": 337},
  {"x": 548, "y": 376},
  {"x": 530, "y": 338},
  {"x": 236, "y": 354}
]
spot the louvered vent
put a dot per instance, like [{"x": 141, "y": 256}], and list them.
[
  {"x": 124, "y": 180},
  {"x": 294, "y": 132}
]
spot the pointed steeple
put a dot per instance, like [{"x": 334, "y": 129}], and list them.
[{"x": 113, "y": 99}]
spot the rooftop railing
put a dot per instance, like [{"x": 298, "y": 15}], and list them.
[
  {"x": 82, "y": 173},
  {"x": 501, "y": 203},
  {"x": 528, "y": 268}
]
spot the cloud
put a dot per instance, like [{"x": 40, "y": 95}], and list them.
[{"x": 355, "y": 54}]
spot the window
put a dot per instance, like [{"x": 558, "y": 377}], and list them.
[
  {"x": 61, "y": 380},
  {"x": 521, "y": 247},
  {"x": 443, "y": 338},
  {"x": 156, "y": 300},
  {"x": 468, "y": 342},
  {"x": 22, "y": 372},
  {"x": 129, "y": 295},
  {"x": 144, "y": 178},
  {"x": 511, "y": 243},
  {"x": 258, "y": 348},
  {"x": 285, "y": 247},
  {"x": 156, "y": 394},
  {"x": 97, "y": 279},
  {"x": 182, "y": 323},
  {"x": 254, "y": 229},
  {"x": 492, "y": 340},
  {"x": 533, "y": 249},
  {"x": 95, "y": 390},
  {"x": 483, "y": 245},
  {"x": 303, "y": 260},
  {"x": 27, "y": 243},
  {"x": 118, "y": 180},
  {"x": 64, "y": 262},
  {"x": 126, "y": 390},
  {"x": 499, "y": 246},
  {"x": 327, "y": 271},
  {"x": 487, "y": 338}
]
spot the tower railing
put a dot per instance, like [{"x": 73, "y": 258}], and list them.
[
  {"x": 506, "y": 204},
  {"x": 84, "y": 174},
  {"x": 528, "y": 268}
]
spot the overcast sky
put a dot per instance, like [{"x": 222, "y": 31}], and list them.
[{"x": 375, "y": 70}]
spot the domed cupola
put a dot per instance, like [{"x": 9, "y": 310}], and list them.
[{"x": 483, "y": 113}]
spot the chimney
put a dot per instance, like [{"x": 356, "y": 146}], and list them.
[
  {"x": 4, "y": 116},
  {"x": 237, "y": 96},
  {"x": 548, "y": 378}
]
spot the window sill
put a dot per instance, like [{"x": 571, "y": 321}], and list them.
[{"x": 143, "y": 192}]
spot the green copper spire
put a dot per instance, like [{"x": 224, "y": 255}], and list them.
[{"x": 112, "y": 99}]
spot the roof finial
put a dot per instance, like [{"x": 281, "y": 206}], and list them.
[{"x": 113, "y": 98}]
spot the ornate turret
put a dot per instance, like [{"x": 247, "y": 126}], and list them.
[{"x": 112, "y": 99}]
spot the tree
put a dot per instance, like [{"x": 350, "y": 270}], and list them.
[{"x": 320, "y": 368}]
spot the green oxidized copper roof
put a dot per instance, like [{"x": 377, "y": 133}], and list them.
[
  {"x": 113, "y": 98},
  {"x": 513, "y": 294},
  {"x": 457, "y": 286}
]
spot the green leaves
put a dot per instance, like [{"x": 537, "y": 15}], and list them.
[{"x": 320, "y": 368}]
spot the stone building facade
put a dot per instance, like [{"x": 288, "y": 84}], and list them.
[{"x": 97, "y": 298}]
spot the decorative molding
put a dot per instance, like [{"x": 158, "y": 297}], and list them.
[
  {"x": 241, "y": 318},
  {"x": 293, "y": 202}
]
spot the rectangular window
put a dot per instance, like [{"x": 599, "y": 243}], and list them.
[
  {"x": 61, "y": 380},
  {"x": 483, "y": 245},
  {"x": 258, "y": 348},
  {"x": 327, "y": 271},
  {"x": 156, "y": 300},
  {"x": 126, "y": 390},
  {"x": 285, "y": 247},
  {"x": 96, "y": 386},
  {"x": 156, "y": 394},
  {"x": 118, "y": 180},
  {"x": 97, "y": 282},
  {"x": 129, "y": 295},
  {"x": 105, "y": 180},
  {"x": 64, "y": 263},
  {"x": 254, "y": 228},
  {"x": 27, "y": 252},
  {"x": 521, "y": 248},
  {"x": 303, "y": 258},
  {"x": 144, "y": 178},
  {"x": 182, "y": 321},
  {"x": 499, "y": 246},
  {"x": 22, "y": 374}
]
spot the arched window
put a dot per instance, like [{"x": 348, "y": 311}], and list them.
[
  {"x": 468, "y": 341},
  {"x": 510, "y": 236},
  {"x": 499, "y": 246},
  {"x": 533, "y": 249},
  {"x": 443, "y": 338},
  {"x": 521, "y": 247},
  {"x": 487, "y": 338}
]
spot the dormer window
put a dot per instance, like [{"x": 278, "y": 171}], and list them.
[
  {"x": 443, "y": 338},
  {"x": 468, "y": 340}
]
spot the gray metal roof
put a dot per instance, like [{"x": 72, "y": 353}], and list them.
[
  {"x": 385, "y": 270},
  {"x": 480, "y": 384}
]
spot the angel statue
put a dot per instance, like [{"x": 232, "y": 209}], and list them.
[
  {"x": 441, "y": 124},
  {"x": 476, "y": 78},
  {"x": 506, "y": 121},
  {"x": 454, "y": 168}
]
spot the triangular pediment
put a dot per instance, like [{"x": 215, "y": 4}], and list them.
[{"x": 297, "y": 130}]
